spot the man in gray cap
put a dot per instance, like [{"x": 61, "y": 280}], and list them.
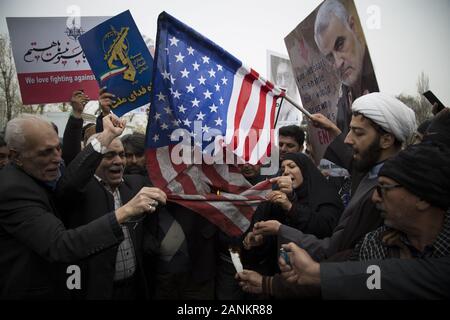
[{"x": 413, "y": 195}]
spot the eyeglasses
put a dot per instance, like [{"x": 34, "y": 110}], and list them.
[{"x": 381, "y": 187}]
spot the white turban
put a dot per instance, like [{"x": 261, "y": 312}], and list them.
[{"x": 388, "y": 112}]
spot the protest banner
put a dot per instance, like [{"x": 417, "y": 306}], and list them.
[
  {"x": 331, "y": 65},
  {"x": 121, "y": 61},
  {"x": 279, "y": 72},
  {"x": 49, "y": 61}
]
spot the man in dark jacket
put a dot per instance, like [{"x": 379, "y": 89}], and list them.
[
  {"x": 116, "y": 273},
  {"x": 33, "y": 238}
]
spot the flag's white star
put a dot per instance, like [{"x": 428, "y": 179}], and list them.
[
  {"x": 221, "y": 100},
  {"x": 164, "y": 126},
  {"x": 182, "y": 109},
  {"x": 157, "y": 116},
  {"x": 168, "y": 110},
  {"x": 176, "y": 94},
  {"x": 184, "y": 73},
  {"x": 190, "y": 88},
  {"x": 195, "y": 102},
  {"x": 201, "y": 116},
  {"x": 195, "y": 65},
  {"x": 207, "y": 94},
  {"x": 217, "y": 87},
  {"x": 174, "y": 41},
  {"x": 167, "y": 50},
  {"x": 176, "y": 123},
  {"x": 156, "y": 137},
  {"x": 224, "y": 80},
  {"x": 201, "y": 80},
  {"x": 161, "y": 97},
  {"x": 205, "y": 128},
  {"x": 205, "y": 59},
  {"x": 165, "y": 75},
  {"x": 172, "y": 79},
  {"x": 213, "y": 108},
  {"x": 190, "y": 51},
  {"x": 218, "y": 121},
  {"x": 212, "y": 73},
  {"x": 187, "y": 122},
  {"x": 219, "y": 67},
  {"x": 179, "y": 57}
]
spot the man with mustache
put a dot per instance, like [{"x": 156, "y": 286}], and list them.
[
  {"x": 119, "y": 272},
  {"x": 35, "y": 242},
  {"x": 134, "y": 145},
  {"x": 290, "y": 139},
  {"x": 336, "y": 37}
]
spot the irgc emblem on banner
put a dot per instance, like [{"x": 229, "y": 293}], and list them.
[{"x": 121, "y": 61}]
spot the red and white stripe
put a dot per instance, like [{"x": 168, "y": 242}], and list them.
[
  {"x": 195, "y": 187},
  {"x": 250, "y": 115}
]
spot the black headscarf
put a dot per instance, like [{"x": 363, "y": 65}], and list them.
[
  {"x": 315, "y": 188},
  {"x": 424, "y": 170}
]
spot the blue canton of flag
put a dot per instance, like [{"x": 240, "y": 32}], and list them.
[{"x": 193, "y": 83}]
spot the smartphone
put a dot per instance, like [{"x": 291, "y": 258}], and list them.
[{"x": 433, "y": 99}]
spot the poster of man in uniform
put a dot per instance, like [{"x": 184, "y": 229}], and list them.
[
  {"x": 331, "y": 65},
  {"x": 280, "y": 73}
]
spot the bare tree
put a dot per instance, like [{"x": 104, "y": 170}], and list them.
[
  {"x": 419, "y": 103},
  {"x": 9, "y": 89}
]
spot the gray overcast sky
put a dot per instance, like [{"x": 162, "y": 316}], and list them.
[{"x": 414, "y": 35}]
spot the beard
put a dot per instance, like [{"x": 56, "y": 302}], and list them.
[{"x": 369, "y": 157}]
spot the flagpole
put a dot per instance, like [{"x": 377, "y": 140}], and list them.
[
  {"x": 295, "y": 104},
  {"x": 278, "y": 113}
]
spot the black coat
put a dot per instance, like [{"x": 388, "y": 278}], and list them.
[
  {"x": 84, "y": 200},
  {"x": 316, "y": 209},
  {"x": 33, "y": 240}
]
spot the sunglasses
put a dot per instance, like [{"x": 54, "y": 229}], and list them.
[{"x": 381, "y": 187}]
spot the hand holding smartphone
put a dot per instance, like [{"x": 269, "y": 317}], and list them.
[{"x": 433, "y": 99}]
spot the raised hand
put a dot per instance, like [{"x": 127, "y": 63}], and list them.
[
  {"x": 112, "y": 124},
  {"x": 320, "y": 121},
  {"x": 78, "y": 100},
  {"x": 106, "y": 100}
]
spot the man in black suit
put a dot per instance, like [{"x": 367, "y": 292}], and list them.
[
  {"x": 33, "y": 240},
  {"x": 91, "y": 192}
]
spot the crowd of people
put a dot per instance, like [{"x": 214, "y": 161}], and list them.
[
  {"x": 81, "y": 219},
  {"x": 88, "y": 201}
]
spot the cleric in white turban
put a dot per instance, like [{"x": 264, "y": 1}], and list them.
[{"x": 388, "y": 112}]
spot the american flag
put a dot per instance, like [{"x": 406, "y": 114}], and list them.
[{"x": 206, "y": 98}]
